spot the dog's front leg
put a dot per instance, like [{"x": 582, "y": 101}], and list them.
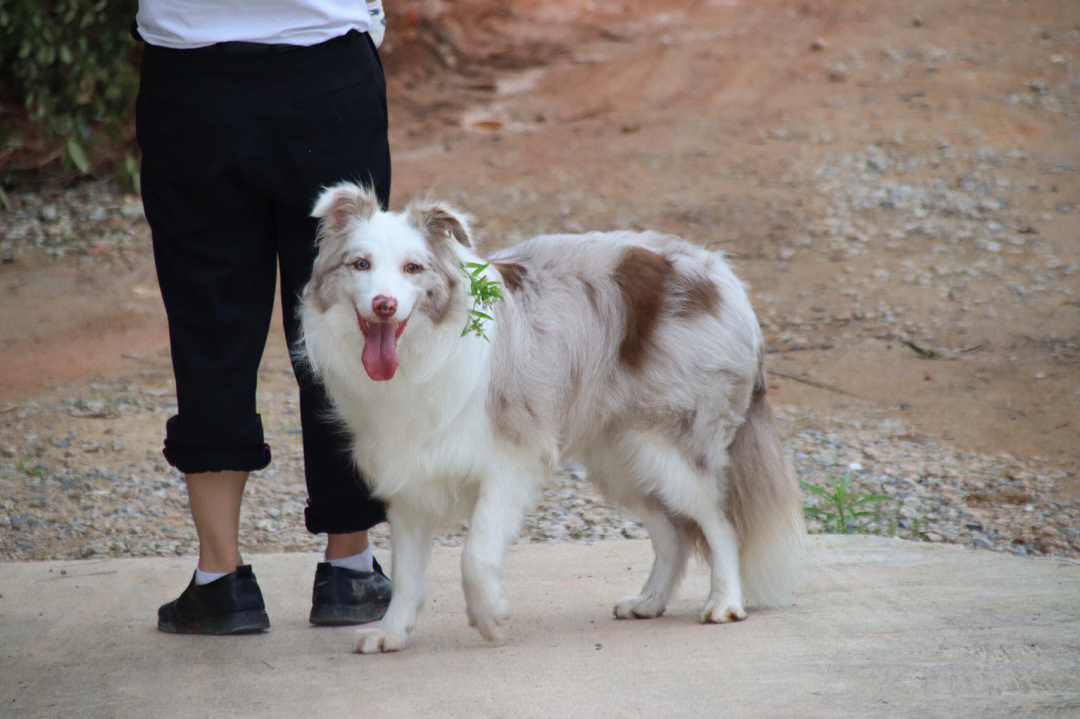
[
  {"x": 495, "y": 522},
  {"x": 411, "y": 535}
]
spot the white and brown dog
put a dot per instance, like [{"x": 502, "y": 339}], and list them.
[{"x": 636, "y": 354}]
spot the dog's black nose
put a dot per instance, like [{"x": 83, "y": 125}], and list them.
[{"x": 384, "y": 307}]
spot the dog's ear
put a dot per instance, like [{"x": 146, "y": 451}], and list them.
[
  {"x": 439, "y": 221},
  {"x": 339, "y": 204}
]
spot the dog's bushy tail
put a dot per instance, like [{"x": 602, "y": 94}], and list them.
[{"x": 765, "y": 507}]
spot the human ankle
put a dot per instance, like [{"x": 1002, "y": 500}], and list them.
[
  {"x": 361, "y": 562},
  {"x": 218, "y": 563},
  {"x": 340, "y": 546}
]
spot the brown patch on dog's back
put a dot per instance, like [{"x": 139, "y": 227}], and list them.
[
  {"x": 699, "y": 296},
  {"x": 512, "y": 274},
  {"x": 642, "y": 276}
]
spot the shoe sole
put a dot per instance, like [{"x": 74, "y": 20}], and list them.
[
  {"x": 239, "y": 623},
  {"x": 341, "y": 615}
]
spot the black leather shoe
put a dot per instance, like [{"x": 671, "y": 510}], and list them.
[
  {"x": 344, "y": 596},
  {"x": 232, "y": 604}
]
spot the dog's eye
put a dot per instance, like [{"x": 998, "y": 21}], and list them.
[
  {"x": 412, "y": 268},
  {"x": 361, "y": 265}
]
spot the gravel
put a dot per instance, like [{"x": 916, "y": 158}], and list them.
[
  {"x": 81, "y": 476},
  {"x": 91, "y": 218}
]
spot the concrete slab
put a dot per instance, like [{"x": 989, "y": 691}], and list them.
[{"x": 882, "y": 628}]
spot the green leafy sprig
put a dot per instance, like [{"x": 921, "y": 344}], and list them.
[
  {"x": 485, "y": 294},
  {"x": 842, "y": 509}
]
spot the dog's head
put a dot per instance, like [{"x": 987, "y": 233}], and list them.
[{"x": 392, "y": 269}]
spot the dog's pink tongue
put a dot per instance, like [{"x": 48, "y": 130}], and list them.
[{"x": 380, "y": 351}]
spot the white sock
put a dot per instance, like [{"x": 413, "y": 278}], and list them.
[
  {"x": 358, "y": 562},
  {"x": 202, "y": 577}
]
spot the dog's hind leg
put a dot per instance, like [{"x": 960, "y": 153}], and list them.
[
  {"x": 496, "y": 520},
  {"x": 411, "y": 536},
  {"x": 699, "y": 501},
  {"x": 671, "y": 547},
  {"x": 663, "y": 470}
]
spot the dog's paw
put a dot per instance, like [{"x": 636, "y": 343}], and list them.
[
  {"x": 722, "y": 612},
  {"x": 489, "y": 620},
  {"x": 640, "y": 606},
  {"x": 375, "y": 640}
]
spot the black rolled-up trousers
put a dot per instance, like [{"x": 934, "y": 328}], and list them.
[{"x": 237, "y": 140}]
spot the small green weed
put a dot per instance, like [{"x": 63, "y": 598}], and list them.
[
  {"x": 35, "y": 470},
  {"x": 843, "y": 510},
  {"x": 485, "y": 294}
]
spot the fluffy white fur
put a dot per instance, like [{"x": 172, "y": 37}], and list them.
[{"x": 637, "y": 354}]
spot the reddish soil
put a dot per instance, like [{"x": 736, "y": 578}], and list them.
[{"x": 713, "y": 120}]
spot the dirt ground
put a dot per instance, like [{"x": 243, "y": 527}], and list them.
[{"x": 898, "y": 183}]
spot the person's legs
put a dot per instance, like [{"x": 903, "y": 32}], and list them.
[
  {"x": 322, "y": 138},
  {"x": 339, "y": 503},
  {"x": 230, "y": 146},
  {"x": 325, "y": 137},
  {"x": 215, "y": 263},
  {"x": 215, "y": 499},
  {"x": 213, "y": 252},
  {"x": 350, "y": 587}
]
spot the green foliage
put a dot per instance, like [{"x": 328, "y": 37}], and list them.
[
  {"x": 842, "y": 510},
  {"x": 31, "y": 470},
  {"x": 70, "y": 61},
  {"x": 485, "y": 294}
]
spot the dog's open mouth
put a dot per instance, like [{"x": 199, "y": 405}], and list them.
[{"x": 380, "y": 356}]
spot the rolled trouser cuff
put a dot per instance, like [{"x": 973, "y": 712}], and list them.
[
  {"x": 362, "y": 515},
  {"x": 193, "y": 450}
]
